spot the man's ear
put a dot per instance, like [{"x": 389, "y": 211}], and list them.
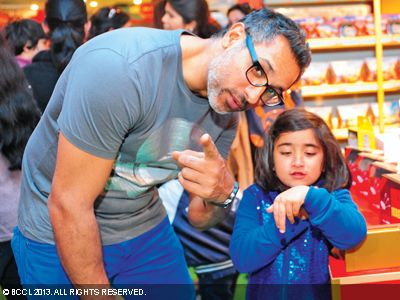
[{"x": 236, "y": 33}]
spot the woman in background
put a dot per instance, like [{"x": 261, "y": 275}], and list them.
[
  {"x": 191, "y": 15},
  {"x": 66, "y": 20},
  {"x": 237, "y": 12},
  {"x": 18, "y": 117},
  {"x": 106, "y": 19}
]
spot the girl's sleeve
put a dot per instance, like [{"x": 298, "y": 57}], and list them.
[
  {"x": 254, "y": 245},
  {"x": 337, "y": 216}
]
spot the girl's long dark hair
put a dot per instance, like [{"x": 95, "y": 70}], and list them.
[
  {"x": 19, "y": 113},
  {"x": 336, "y": 172},
  {"x": 66, "y": 20},
  {"x": 195, "y": 10}
]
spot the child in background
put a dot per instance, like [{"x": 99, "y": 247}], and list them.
[{"x": 299, "y": 208}]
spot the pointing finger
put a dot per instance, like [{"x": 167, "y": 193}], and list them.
[{"x": 210, "y": 150}]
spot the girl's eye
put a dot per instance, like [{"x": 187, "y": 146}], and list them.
[
  {"x": 310, "y": 153},
  {"x": 285, "y": 153}
]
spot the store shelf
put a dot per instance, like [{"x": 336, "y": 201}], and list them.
[
  {"x": 348, "y": 89},
  {"x": 352, "y": 42},
  {"x": 283, "y": 3}
]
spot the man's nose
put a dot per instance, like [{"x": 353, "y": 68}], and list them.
[{"x": 253, "y": 95}]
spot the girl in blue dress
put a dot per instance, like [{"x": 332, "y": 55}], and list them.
[{"x": 296, "y": 212}]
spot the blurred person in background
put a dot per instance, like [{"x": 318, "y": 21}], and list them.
[
  {"x": 191, "y": 15},
  {"x": 106, "y": 19},
  {"x": 236, "y": 12},
  {"x": 158, "y": 13},
  {"x": 18, "y": 117},
  {"x": 66, "y": 20},
  {"x": 26, "y": 38}
]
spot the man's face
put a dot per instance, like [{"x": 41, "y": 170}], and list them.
[{"x": 228, "y": 88}]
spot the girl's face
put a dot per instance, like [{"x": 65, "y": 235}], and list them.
[
  {"x": 298, "y": 158},
  {"x": 171, "y": 19}
]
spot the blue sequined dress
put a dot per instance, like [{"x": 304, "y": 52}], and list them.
[{"x": 293, "y": 265}]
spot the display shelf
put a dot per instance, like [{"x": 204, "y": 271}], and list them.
[
  {"x": 343, "y": 89},
  {"x": 339, "y": 275},
  {"x": 351, "y": 42},
  {"x": 283, "y": 3}
]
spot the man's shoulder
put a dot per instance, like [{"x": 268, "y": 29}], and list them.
[{"x": 132, "y": 42}]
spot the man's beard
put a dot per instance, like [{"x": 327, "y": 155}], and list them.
[
  {"x": 214, "y": 86},
  {"x": 219, "y": 69}
]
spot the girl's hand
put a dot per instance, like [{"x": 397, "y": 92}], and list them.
[{"x": 288, "y": 204}]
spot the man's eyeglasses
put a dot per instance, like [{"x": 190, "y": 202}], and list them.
[{"x": 257, "y": 77}]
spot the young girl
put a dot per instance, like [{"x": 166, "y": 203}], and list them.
[{"x": 299, "y": 208}]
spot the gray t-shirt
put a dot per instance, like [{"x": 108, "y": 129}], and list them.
[{"x": 121, "y": 97}]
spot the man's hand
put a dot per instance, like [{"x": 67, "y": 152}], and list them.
[
  {"x": 288, "y": 204},
  {"x": 205, "y": 174}
]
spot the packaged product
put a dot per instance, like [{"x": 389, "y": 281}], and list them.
[
  {"x": 349, "y": 113},
  {"x": 390, "y": 68},
  {"x": 327, "y": 29},
  {"x": 310, "y": 26},
  {"x": 315, "y": 74},
  {"x": 344, "y": 71},
  {"x": 393, "y": 24},
  {"x": 347, "y": 27},
  {"x": 391, "y": 112}
]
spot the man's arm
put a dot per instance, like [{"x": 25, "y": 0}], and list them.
[
  {"x": 78, "y": 179},
  {"x": 206, "y": 177},
  {"x": 203, "y": 215}
]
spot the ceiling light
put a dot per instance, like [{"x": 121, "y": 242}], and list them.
[
  {"x": 93, "y": 4},
  {"x": 34, "y": 7}
]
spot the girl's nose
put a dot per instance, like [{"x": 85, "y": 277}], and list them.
[{"x": 298, "y": 160}]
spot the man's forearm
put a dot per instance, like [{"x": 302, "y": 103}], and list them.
[
  {"x": 203, "y": 215},
  {"x": 78, "y": 244}
]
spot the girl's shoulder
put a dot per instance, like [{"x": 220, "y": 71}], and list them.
[
  {"x": 254, "y": 189},
  {"x": 260, "y": 192},
  {"x": 256, "y": 192}
]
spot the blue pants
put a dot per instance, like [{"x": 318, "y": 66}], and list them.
[{"x": 153, "y": 261}]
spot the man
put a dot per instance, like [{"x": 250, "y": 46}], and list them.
[{"x": 124, "y": 110}]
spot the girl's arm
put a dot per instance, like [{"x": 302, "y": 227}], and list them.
[
  {"x": 254, "y": 245},
  {"x": 336, "y": 215}
]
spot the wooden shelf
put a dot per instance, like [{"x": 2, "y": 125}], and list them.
[
  {"x": 352, "y": 42},
  {"x": 343, "y": 89}
]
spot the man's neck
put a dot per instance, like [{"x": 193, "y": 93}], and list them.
[{"x": 196, "y": 56}]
